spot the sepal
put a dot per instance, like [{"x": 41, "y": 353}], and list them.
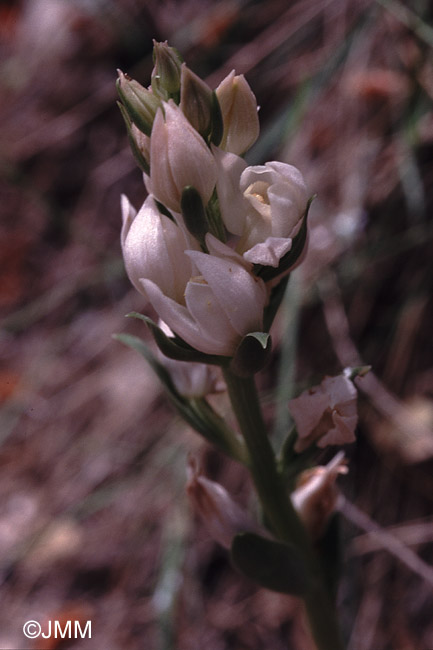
[{"x": 274, "y": 565}]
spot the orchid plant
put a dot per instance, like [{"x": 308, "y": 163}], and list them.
[{"x": 211, "y": 250}]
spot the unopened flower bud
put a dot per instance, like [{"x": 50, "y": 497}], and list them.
[
  {"x": 325, "y": 414},
  {"x": 179, "y": 158},
  {"x": 140, "y": 103},
  {"x": 138, "y": 141},
  {"x": 222, "y": 517},
  {"x": 239, "y": 111},
  {"x": 196, "y": 101},
  {"x": 316, "y": 494},
  {"x": 166, "y": 73}
]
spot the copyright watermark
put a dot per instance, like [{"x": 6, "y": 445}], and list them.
[
  {"x": 58, "y": 630},
  {"x": 32, "y": 629}
]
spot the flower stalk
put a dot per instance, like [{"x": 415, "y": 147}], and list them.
[{"x": 278, "y": 510}]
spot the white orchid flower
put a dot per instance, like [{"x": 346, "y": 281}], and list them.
[
  {"x": 222, "y": 303},
  {"x": 263, "y": 205}
]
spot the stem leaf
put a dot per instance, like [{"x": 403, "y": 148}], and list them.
[
  {"x": 173, "y": 347},
  {"x": 196, "y": 412},
  {"x": 275, "y": 565}
]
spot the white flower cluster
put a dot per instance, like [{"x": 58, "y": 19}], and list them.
[{"x": 198, "y": 267}]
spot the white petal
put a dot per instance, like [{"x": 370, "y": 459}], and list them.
[
  {"x": 180, "y": 321},
  {"x": 307, "y": 410},
  {"x": 340, "y": 390},
  {"x": 219, "y": 249},
  {"x": 256, "y": 231},
  {"x": 342, "y": 433},
  {"x": 154, "y": 249},
  {"x": 175, "y": 315},
  {"x": 256, "y": 173},
  {"x": 269, "y": 252},
  {"x": 289, "y": 173},
  {"x": 285, "y": 208},
  {"x": 214, "y": 325},
  {"x": 240, "y": 295}
]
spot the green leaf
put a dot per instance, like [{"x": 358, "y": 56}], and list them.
[
  {"x": 275, "y": 299},
  {"x": 292, "y": 463},
  {"x": 274, "y": 565},
  {"x": 140, "y": 346},
  {"x": 252, "y": 354},
  {"x": 197, "y": 412},
  {"x": 193, "y": 213},
  {"x": 175, "y": 347},
  {"x": 213, "y": 214}
]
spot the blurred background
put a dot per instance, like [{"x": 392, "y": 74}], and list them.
[{"x": 94, "y": 522}]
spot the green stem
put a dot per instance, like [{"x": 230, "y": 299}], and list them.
[{"x": 278, "y": 508}]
